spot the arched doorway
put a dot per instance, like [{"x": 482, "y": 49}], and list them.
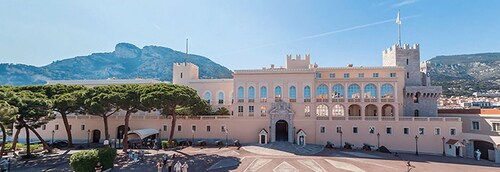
[
  {"x": 371, "y": 110},
  {"x": 282, "y": 131},
  {"x": 387, "y": 110},
  {"x": 355, "y": 110},
  {"x": 96, "y": 136},
  {"x": 121, "y": 131},
  {"x": 483, "y": 146}
]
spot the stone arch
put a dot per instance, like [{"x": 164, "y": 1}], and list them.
[
  {"x": 353, "y": 91},
  {"x": 387, "y": 110},
  {"x": 338, "y": 110},
  {"x": 354, "y": 110},
  {"x": 251, "y": 92},
  {"x": 322, "y": 91},
  {"x": 371, "y": 110},
  {"x": 370, "y": 91},
  {"x": 387, "y": 91},
  {"x": 207, "y": 96}
]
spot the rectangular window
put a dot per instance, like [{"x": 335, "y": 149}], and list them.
[
  {"x": 44, "y": 127},
  {"x": 453, "y": 131},
  {"x": 495, "y": 126},
  {"x": 388, "y": 130},
  {"x": 354, "y": 130},
  {"x": 179, "y": 128},
  {"x": 250, "y": 109},
  {"x": 346, "y": 75},
  {"x": 82, "y": 127},
  {"x": 339, "y": 129},
  {"x": 361, "y": 75},
  {"x": 375, "y": 75},
  {"x": 223, "y": 128},
  {"x": 407, "y": 74},
  {"x": 406, "y": 130},
  {"x": 57, "y": 127},
  {"x": 318, "y": 75},
  {"x": 371, "y": 130},
  {"x": 208, "y": 128},
  {"x": 322, "y": 129},
  {"x": 392, "y": 75},
  {"x": 240, "y": 108},
  {"x": 437, "y": 131},
  {"x": 193, "y": 128},
  {"x": 475, "y": 125},
  {"x": 421, "y": 131},
  {"x": 70, "y": 126},
  {"x": 332, "y": 75}
]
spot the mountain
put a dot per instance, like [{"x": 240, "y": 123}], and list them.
[
  {"x": 126, "y": 62},
  {"x": 467, "y": 73}
]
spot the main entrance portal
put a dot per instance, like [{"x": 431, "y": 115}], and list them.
[{"x": 282, "y": 131}]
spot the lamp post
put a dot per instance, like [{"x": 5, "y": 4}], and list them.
[
  {"x": 416, "y": 145},
  {"x": 53, "y": 132},
  {"x": 192, "y": 139},
  {"x": 341, "y": 139},
  {"x": 88, "y": 138},
  {"x": 444, "y": 154},
  {"x": 227, "y": 132},
  {"x": 378, "y": 140}
]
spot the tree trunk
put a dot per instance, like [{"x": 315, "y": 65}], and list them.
[
  {"x": 125, "y": 137},
  {"x": 106, "y": 129},
  {"x": 4, "y": 137},
  {"x": 68, "y": 130},
  {"x": 172, "y": 128},
  {"x": 45, "y": 145},
  {"x": 28, "y": 151},
  {"x": 14, "y": 140}
]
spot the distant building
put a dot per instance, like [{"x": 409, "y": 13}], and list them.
[{"x": 110, "y": 81}]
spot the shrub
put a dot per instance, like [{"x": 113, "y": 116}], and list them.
[
  {"x": 20, "y": 146},
  {"x": 85, "y": 161},
  {"x": 165, "y": 144}
]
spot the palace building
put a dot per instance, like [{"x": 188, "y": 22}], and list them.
[{"x": 393, "y": 105}]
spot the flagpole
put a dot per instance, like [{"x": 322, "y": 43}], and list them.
[
  {"x": 399, "y": 28},
  {"x": 185, "y": 60}
]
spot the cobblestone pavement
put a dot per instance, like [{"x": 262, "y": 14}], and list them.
[{"x": 270, "y": 158}]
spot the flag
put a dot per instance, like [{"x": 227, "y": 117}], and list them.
[{"x": 398, "y": 19}]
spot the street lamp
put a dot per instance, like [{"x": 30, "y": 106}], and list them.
[
  {"x": 192, "y": 141},
  {"x": 443, "y": 146},
  {"x": 416, "y": 145},
  {"x": 88, "y": 137},
  {"x": 227, "y": 132},
  {"x": 53, "y": 132},
  {"x": 378, "y": 140},
  {"x": 341, "y": 139}
]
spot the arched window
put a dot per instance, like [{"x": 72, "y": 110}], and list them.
[
  {"x": 293, "y": 92},
  {"x": 307, "y": 92},
  {"x": 370, "y": 91},
  {"x": 387, "y": 91},
  {"x": 221, "y": 97},
  {"x": 322, "y": 110},
  {"x": 338, "y": 110},
  {"x": 322, "y": 92},
  {"x": 277, "y": 92},
  {"x": 208, "y": 97},
  {"x": 417, "y": 96},
  {"x": 338, "y": 91},
  {"x": 241, "y": 93},
  {"x": 307, "y": 110},
  {"x": 353, "y": 91},
  {"x": 263, "y": 92},
  {"x": 416, "y": 113},
  {"x": 251, "y": 93}
]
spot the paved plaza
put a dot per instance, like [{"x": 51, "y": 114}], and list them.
[{"x": 278, "y": 157}]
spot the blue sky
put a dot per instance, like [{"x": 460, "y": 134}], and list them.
[{"x": 249, "y": 33}]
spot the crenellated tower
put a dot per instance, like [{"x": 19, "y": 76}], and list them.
[
  {"x": 184, "y": 72},
  {"x": 420, "y": 98}
]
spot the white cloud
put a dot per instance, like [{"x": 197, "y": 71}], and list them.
[{"x": 403, "y": 3}]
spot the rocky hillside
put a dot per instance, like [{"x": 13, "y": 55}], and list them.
[
  {"x": 465, "y": 74},
  {"x": 126, "y": 62}
]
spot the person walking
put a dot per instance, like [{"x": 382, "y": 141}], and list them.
[
  {"x": 159, "y": 165},
  {"x": 185, "y": 167},
  {"x": 169, "y": 165},
  {"x": 177, "y": 166}
]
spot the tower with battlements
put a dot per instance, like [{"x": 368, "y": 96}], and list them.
[
  {"x": 184, "y": 72},
  {"x": 420, "y": 98}
]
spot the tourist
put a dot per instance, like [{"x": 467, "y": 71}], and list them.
[
  {"x": 169, "y": 165},
  {"x": 478, "y": 154},
  {"x": 159, "y": 165},
  {"x": 164, "y": 158},
  {"x": 136, "y": 156},
  {"x": 185, "y": 167},
  {"x": 98, "y": 167},
  {"x": 409, "y": 166},
  {"x": 177, "y": 166}
]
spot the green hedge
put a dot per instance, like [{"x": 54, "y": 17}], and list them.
[
  {"x": 85, "y": 161},
  {"x": 165, "y": 144},
  {"x": 20, "y": 146}
]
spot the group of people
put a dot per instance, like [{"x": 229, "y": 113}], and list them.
[
  {"x": 135, "y": 156},
  {"x": 178, "y": 166}
]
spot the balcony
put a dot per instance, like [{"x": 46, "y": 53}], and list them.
[
  {"x": 370, "y": 100},
  {"x": 354, "y": 100},
  {"x": 250, "y": 114},
  {"x": 251, "y": 100},
  {"x": 263, "y": 100},
  {"x": 307, "y": 100},
  {"x": 321, "y": 100},
  {"x": 241, "y": 100},
  {"x": 355, "y": 118},
  {"x": 322, "y": 118},
  {"x": 338, "y": 118},
  {"x": 293, "y": 100},
  {"x": 277, "y": 99},
  {"x": 337, "y": 100},
  {"x": 371, "y": 118},
  {"x": 387, "y": 100},
  {"x": 240, "y": 113}
]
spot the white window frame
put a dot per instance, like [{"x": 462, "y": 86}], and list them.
[
  {"x": 322, "y": 127},
  {"x": 337, "y": 127},
  {"x": 223, "y": 128},
  {"x": 453, "y": 128},
  {"x": 357, "y": 129},
  {"x": 83, "y": 127},
  {"x": 478, "y": 125},
  {"x": 392, "y": 130},
  {"x": 195, "y": 127},
  {"x": 177, "y": 127},
  {"x": 493, "y": 127},
  {"x": 423, "y": 131},
  {"x": 409, "y": 131},
  {"x": 206, "y": 128},
  {"x": 436, "y": 129},
  {"x": 374, "y": 129},
  {"x": 164, "y": 126}
]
